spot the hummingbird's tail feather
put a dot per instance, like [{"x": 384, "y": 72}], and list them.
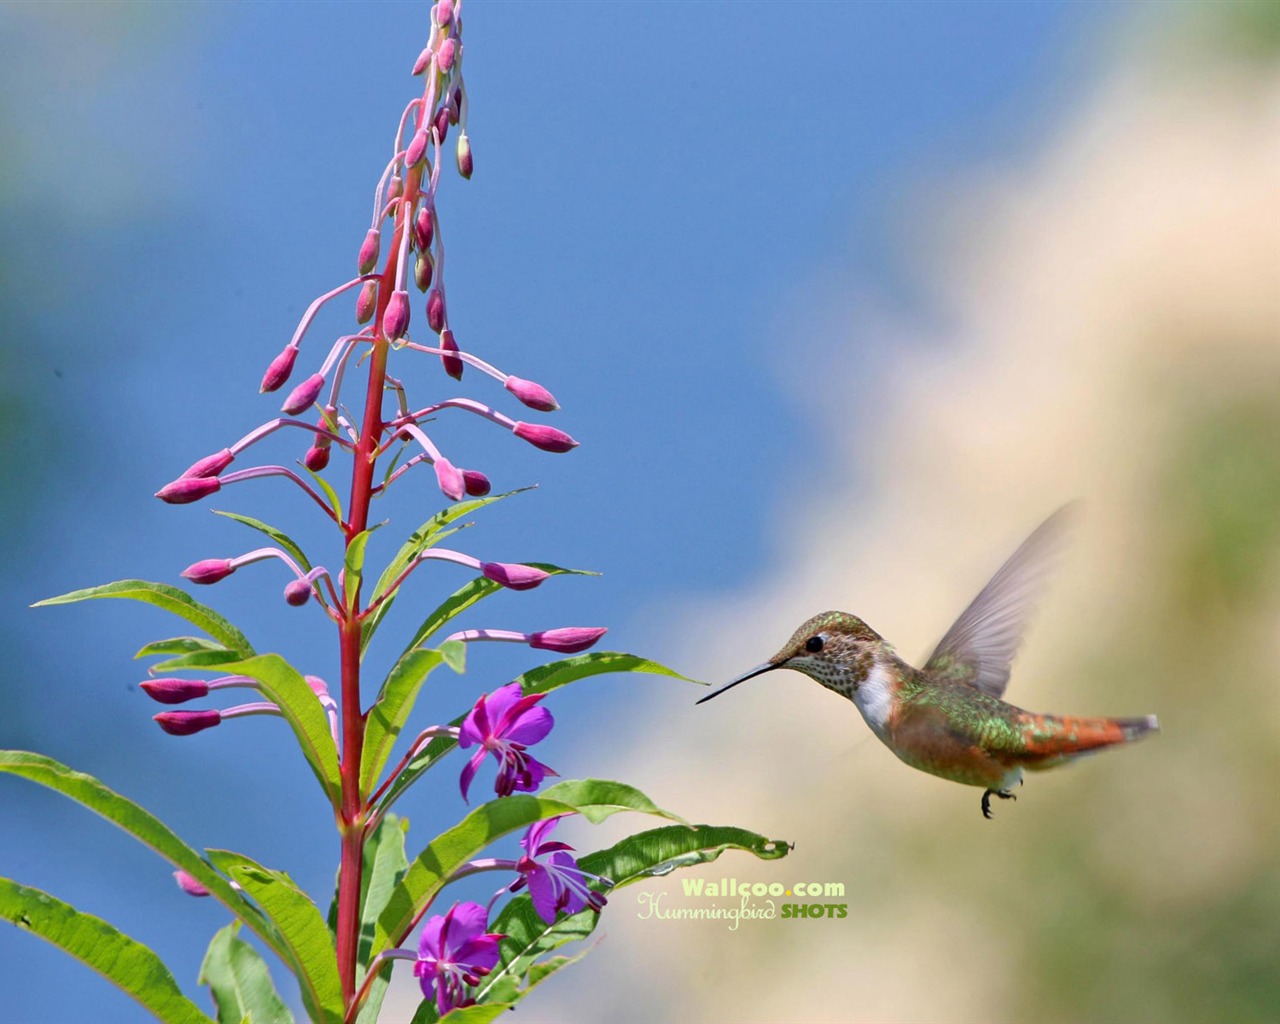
[{"x": 1050, "y": 740}]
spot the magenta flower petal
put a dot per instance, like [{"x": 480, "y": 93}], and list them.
[
  {"x": 531, "y": 727},
  {"x": 469, "y": 771}
]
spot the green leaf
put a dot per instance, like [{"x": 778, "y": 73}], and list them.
[
  {"x": 169, "y": 598},
  {"x": 596, "y": 799},
  {"x": 302, "y": 929},
  {"x": 179, "y": 645},
  {"x": 239, "y": 981},
  {"x": 353, "y": 564},
  {"x": 390, "y": 711},
  {"x": 279, "y": 536},
  {"x": 335, "y": 504},
  {"x": 195, "y": 661},
  {"x": 385, "y": 862},
  {"x": 542, "y": 679},
  {"x": 454, "y": 653},
  {"x": 143, "y": 826},
  {"x": 644, "y": 855},
  {"x": 425, "y": 536},
  {"x": 121, "y": 960},
  {"x": 282, "y": 684}
]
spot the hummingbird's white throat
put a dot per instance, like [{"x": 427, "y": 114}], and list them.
[{"x": 874, "y": 697}]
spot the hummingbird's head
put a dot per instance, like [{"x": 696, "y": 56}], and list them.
[{"x": 836, "y": 649}]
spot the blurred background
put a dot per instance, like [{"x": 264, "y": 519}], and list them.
[{"x": 841, "y": 300}]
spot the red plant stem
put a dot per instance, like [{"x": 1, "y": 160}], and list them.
[{"x": 354, "y": 808}]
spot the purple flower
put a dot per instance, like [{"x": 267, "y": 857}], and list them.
[
  {"x": 555, "y": 881},
  {"x": 506, "y": 724},
  {"x": 454, "y": 953}
]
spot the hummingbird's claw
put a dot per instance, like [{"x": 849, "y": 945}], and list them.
[{"x": 1003, "y": 794}]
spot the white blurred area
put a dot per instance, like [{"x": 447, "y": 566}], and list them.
[{"x": 1112, "y": 310}]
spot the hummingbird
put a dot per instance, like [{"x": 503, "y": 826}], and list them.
[{"x": 948, "y": 718}]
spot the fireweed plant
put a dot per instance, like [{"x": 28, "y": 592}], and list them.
[{"x": 472, "y": 960}]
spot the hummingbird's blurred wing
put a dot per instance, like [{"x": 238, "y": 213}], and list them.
[{"x": 980, "y": 647}]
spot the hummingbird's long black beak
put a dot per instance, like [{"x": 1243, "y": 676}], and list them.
[{"x": 768, "y": 666}]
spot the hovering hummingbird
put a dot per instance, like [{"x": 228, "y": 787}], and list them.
[{"x": 947, "y": 718}]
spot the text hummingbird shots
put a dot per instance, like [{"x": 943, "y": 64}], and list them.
[{"x": 734, "y": 901}]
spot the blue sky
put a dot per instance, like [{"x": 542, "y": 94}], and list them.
[{"x": 663, "y": 194}]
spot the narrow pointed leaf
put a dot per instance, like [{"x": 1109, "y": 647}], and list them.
[
  {"x": 128, "y": 964},
  {"x": 542, "y": 679},
  {"x": 648, "y": 854},
  {"x": 335, "y": 503},
  {"x": 284, "y": 685},
  {"x": 140, "y": 824},
  {"x": 179, "y": 645},
  {"x": 353, "y": 564},
  {"x": 279, "y": 536},
  {"x": 196, "y": 661},
  {"x": 302, "y": 929},
  {"x": 240, "y": 982},
  {"x": 390, "y": 711},
  {"x": 596, "y": 799},
  {"x": 384, "y": 865},
  {"x": 169, "y": 598}
]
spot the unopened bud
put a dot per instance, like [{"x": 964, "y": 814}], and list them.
[
  {"x": 395, "y": 321},
  {"x": 417, "y": 148},
  {"x": 450, "y": 479},
  {"x": 423, "y": 228},
  {"x": 476, "y": 483},
  {"x": 455, "y": 106},
  {"x": 465, "y": 162},
  {"x": 532, "y": 394},
  {"x": 187, "y": 489},
  {"x": 441, "y": 124},
  {"x": 568, "y": 640},
  {"x": 452, "y": 364},
  {"x": 211, "y": 465},
  {"x": 174, "y": 691},
  {"x": 424, "y": 58},
  {"x": 188, "y": 884},
  {"x": 279, "y": 370},
  {"x": 184, "y": 723},
  {"x": 435, "y": 310},
  {"x": 444, "y": 12},
  {"x": 448, "y": 50},
  {"x": 367, "y": 302},
  {"x": 297, "y": 592},
  {"x": 303, "y": 396},
  {"x": 549, "y": 439},
  {"x": 316, "y": 457},
  {"x": 208, "y": 570},
  {"x": 368, "y": 257},
  {"x": 513, "y": 576},
  {"x": 395, "y": 188},
  {"x": 423, "y": 269}
]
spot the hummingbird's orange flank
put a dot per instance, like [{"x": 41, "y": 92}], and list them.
[{"x": 947, "y": 718}]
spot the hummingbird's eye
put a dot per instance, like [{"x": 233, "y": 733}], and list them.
[{"x": 814, "y": 644}]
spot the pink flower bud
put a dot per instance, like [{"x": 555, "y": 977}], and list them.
[
  {"x": 549, "y": 439},
  {"x": 423, "y": 269},
  {"x": 316, "y": 457},
  {"x": 441, "y": 124},
  {"x": 297, "y": 592},
  {"x": 211, "y": 465},
  {"x": 424, "y": 58},
  {"x": 395, "y": 188},
  {"x": 303, "y": 396},
  {"x": 174, "y": 691},
  {"x": 450, "y": 479},
  {"x": 534, "y": 395},
  {"x": 424, "y": 229},
  {"x": 187, "y": 489},
  {"x": 465, "y": 162},
  {"x": 367, "y": 302},
  {"x": 416, "y": 151},
  {"x": 279, "y": 370},
  {"x": 395, "y": 321},
  {"x": 568, "y": 640},
  {"x": 208, "y": 570},
  {"x": 444, "y": 12},
  {"x": 452, "y": 364},
  {"x": 476, "y": 483},
  {"x": 513, "y": 576},
  {"x": 184, "y": 723},
  {"x": 368, "y": 257},
  {"x": 448, "y": 50},
  {"x": 455, "y": 106},
  {"x": 188, "y": 884},
  {"x": 435, "y": 310}
]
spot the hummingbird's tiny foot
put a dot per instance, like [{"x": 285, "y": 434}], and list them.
[{"x": 1003, "y": 794}]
